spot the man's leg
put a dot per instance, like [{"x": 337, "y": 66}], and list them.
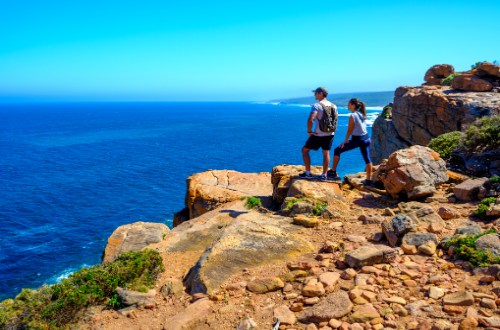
[
  {"x": 307, "y": 158},
  {"x": 326, "y": 161}
]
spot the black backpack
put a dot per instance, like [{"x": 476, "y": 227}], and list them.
[{"x": 328, "y": 123}]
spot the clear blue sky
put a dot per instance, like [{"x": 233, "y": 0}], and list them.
[{"x": 241, "y": 50}]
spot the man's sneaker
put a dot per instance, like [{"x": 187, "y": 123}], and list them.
[
  {"x": 323, "y": 177},
  {"x": 305, "y": 175},
  {"x": 332, "y": 175}
]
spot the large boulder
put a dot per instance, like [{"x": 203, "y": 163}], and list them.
[
  {"x": 208, "y": 190},
  {"x": 223, "y": 242},
  {"x": 282, "y": 178},
  {"x": 490, "y": 243},
  {"x": 468, "y": 190},
  {"x": 488, "y": 69},
  {"x": 436, "y": 74},
  {"x": 413, "y": 172},
  {"x": 470, "y": 82},
  {"x": 133, "y": 237}
]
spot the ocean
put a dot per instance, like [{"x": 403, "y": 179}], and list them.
[{"x": 71, "y": 173}]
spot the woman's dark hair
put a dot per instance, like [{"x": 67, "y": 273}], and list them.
[{"x": 360, "y": 106}]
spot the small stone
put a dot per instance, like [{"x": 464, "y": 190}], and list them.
[
  {"x": 409, "y": 249},
  {"x": 334, "y": 324},
  {"x": 451, "y": 309},
  {"x": 488, "y": 303},
  {"x": 285, "y": 315},
  {"x": 460, "y": 298},
  {"x": 333, "y": 306},
  {"x": 395, "y": 300},
  {"x": 247, "y": 324},
  {"x": 469, "y": 323},
  {"x": 297, "y": 307},
  {"x": 447, "y": 213},
  {"x": 305, "y": 221},
  {"x": 265, "y": 285},
  {"x": 356, "y": 239},
  {"x": 363, "y": 314},
  {"x": 172, "y": 287},
  {"x": 348, "y": 274},
  {"x": 329, "y": 279},
  {"x": 399, "y": 310},
  {"x": 311, "y": 326},
  {"x": 490, "y": 243},
  {"x": 410, "y": 283},
  {"x": 313, "y": 290},
  {"x": 311, "y": 301},
  {"x": 288, "y": 287},
  {"x": 428, "y": 248},
  {"x": 442, "y": 325},
  {"x": 436, "y": 293},
  {"x": 418, "y": 239}
]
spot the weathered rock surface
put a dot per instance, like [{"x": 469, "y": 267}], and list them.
[
  {"x": 189, "y": 317},
  {"x": 264, "y": 285},
  {"x": 334, "y": 306},
  {"x": 469, "y": 189},
  {"x": 470, "y": 82},
  {"x": 460, "y": 298},
  {"x": 369, "y": 255},
  {"x": 282, "y": 178},
  {"x": 208, "y": 190},
  {"x": 414, "y": 172},
  {"x": 490, "y": 243},
  {"x": 133, "y": 237},
  {"x": 243, "y": 238},
  {"x": 131, "y": 298},
  {"x": 436, "y": 74},
  {"x": 425, "y": 112}
]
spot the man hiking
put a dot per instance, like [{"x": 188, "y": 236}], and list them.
[{"x": 324, "y": 113}]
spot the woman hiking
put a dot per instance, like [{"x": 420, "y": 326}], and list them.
[{"x": 360, "y": 139}]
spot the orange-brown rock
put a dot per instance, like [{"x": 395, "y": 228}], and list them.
[
  {"x": 413, "y": 172},
  {"x": 488, "y": 69},
  {"x": 133, "y": 237},
  {"x": 211, "y": 189},
  {"x": 436, "y": 74},
  {"x": 470, "y": 82}
]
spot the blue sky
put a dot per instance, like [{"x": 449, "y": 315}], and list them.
[{"x": 232, "y": 51}]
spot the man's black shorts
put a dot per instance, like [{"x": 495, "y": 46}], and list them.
[{"x": 315, "y": 142}]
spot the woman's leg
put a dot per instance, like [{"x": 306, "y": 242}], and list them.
[
  {"x": 352, "y": 144},
  {"x": 365, "y": 152}
]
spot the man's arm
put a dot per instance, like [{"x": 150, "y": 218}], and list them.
[{"x": 310, "y": 122}]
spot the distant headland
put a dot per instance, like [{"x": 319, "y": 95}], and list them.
[{"x": 372, "y": 99}]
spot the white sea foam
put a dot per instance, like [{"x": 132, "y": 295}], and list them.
[{"x": 65, "y": 274}]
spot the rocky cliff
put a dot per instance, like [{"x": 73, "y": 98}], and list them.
[{"x": 422, "y": 113}]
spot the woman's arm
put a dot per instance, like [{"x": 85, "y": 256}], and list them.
[{"x": 350, "y": 128}]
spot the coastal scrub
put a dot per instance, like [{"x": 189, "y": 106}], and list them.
[
  {"x": 464, "y": 247},
  {"x": 58, "y": 305},
  {"x": 445, "y": 143}
]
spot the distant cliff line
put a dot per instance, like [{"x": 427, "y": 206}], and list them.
[{"x": 371, "y": 99}]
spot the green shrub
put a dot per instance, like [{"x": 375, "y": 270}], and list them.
[
  {"x": 483, "y": 207},
  {"x": 55, "y": 306},
  {"x": 495, "y": 179},
  {"x": 253, "y": 202},
  {"x": 318, "y": 206},
  {"x": 445, "y": 143},
  {"x": 465, "y": 248},
  {"x": 447, "y": 80},
  {"x": 476, "y": 65},
  {"x": 483, "y": 135}
]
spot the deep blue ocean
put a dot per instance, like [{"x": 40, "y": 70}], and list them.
[{"x": 71, "y": 173}]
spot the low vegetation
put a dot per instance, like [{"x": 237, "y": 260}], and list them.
[
  {"x": 253, "y": 202},
  {"x": 465, "y": 248},
  {"x": 447, "y": 80},
  {"x": 495, "y": 179},
  {"x": 483, "y": 135},
  {"x": 318, "y": 206},
  {"x": 483, "y": 207},
  {"x": 445, "y": 144},
  {"x": 58, "y": 305}
]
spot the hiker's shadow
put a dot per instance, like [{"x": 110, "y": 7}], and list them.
[{"x": 233, "y": 213}]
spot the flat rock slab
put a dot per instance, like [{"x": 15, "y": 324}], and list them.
[
  {"x": 469, "y": 189},
  {"x": 334, "y": 306},
  {"x": 208, "y": 190},
  {"x": 418, "y": 239},
  {"x": 369, "y": 255},
  {"x": 188, "y": 317},
  {"x": 461, "y": 298}
]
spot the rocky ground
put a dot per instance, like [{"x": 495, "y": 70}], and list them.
[{"x": 370, "y": 261}]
